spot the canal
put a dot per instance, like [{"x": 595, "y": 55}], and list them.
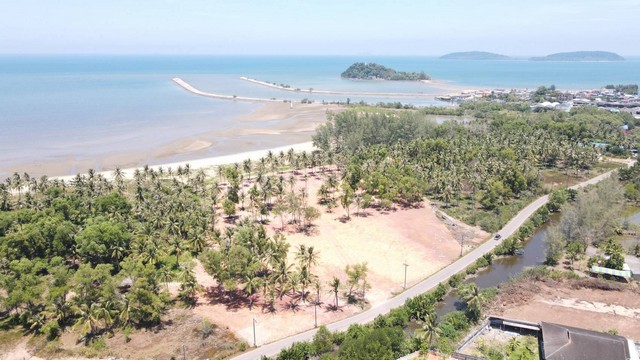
[{"x": 504, "y": 268}]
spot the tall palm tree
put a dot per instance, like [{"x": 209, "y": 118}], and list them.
[
  {"x": 166, "y": 276},
  {"x": 251, "y": 286},
  {"x": 87, "y": 320},
  {"x": 246, "y": 166},
  {"x": 335, "y": 288},
  {"x": 473, "y": 297},
  {"x": 429, "y": 330},
  {"x": 176, "y": 248}
]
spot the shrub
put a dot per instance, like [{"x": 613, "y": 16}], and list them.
[
  {"x": 440, "y": 291},
  {"x": 297, "y": 351},
  {"x": 51, "y": 330},
  {"x": 206, "y": 328},
  {"x": 322, "y": 341},
  {"x": 456, "y": 279}
]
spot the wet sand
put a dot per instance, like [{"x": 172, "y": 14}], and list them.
[{"x": 275, "y": 125}]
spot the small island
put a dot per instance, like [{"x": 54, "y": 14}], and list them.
[
  {"x": 373, "y": 71},
  {"x": 581, "y": 56},
  {"x": 474, "y": 55}
]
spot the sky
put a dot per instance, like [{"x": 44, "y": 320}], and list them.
[{"x": 317, "y": 27}]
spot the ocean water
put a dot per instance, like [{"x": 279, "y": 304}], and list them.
[{"x": 66, "y": 108}]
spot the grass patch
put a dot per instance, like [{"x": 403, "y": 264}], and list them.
[
  {"x": 489, "y": 220},
  {"x": 9, "y": 339},
  {"x": 608, "y": 165}
]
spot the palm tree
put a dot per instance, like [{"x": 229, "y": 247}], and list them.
[
  {"x": 88, "y": 318},
  {"x": 429, "y": 331},
  {"x": 166, "y": 276},
  {"x": 197, "y": 242},
  {"x": 251, "y": 286},
  {"x": 473, "y": 297},
  {"x": 117, "y": 253},
  {"x": 335, "y": 288},
  {"x": 124, "y": 316},
  {"x": 176, "y": 248},
  {"x": 246, "y": 166}
]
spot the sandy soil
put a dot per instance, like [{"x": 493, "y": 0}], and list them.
[
  {"x": 414, "y": 236},
  {"x": 585, "y": 308}
]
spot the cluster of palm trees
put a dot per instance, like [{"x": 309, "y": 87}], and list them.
[
  {"x": 489, "y": 161},
  {"x": 251, "y": 262}
]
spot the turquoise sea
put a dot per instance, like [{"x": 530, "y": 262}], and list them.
[{"x": 66, "y": 108}]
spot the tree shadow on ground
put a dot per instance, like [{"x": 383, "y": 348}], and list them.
[
  {"x": 334, "y": 308},
  {"x": 233, "y": 300}
]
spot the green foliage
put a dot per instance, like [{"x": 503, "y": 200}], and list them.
[
  {"x": 368, "y": 71},
  {"x": 508, "y": 246},
  {"x": 297, "y": 351},
  {"x": 477, "y": 265},
  {"x": 590, "y": 219},
  {"x": 558, "y": 197},
  {"x": 631, "y": 89},
  {"x": 456, "y": 280},
  {"x": 377, "y": 343},
  {"x": 521, "y": 348},
  {"x": 322, "y": 341}
]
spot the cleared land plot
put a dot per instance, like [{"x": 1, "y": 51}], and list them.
[{"x": 570, "y": 304}]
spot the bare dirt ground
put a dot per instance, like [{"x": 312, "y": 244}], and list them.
[
  {"x": 183, "y": 335},
  {"x": 385, "y": 240},
  {"x": 565, "y": 303}
]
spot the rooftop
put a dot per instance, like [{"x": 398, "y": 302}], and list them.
[{"x": 561, "y": 342}]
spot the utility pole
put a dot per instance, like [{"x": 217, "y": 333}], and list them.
[
  {"x": 405, "y": 276},
  {"x": 254, "y": 332}
]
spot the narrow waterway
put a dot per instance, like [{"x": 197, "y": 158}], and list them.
[
  {"x": 506, "y": 268},
  {"x": 503, "y": 268}
]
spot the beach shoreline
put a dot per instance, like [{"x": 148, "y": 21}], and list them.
[
  {"x": 273, "y": 126},
  {"x": 206, "y": 164}
]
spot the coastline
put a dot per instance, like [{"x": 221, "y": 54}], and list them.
[
  {"x": 273, "y": 126},
  {"x": 206, "y": 164}
]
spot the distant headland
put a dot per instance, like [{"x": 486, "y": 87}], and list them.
[
  {"x": 581, "y": 56},
  {"x": 474, "y": 55},
  {"x": 373, "y": 71}
]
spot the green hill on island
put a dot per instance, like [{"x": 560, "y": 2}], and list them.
[
  {"x": 371, "y": 71},
  {"x": 474, "y": 55},
  {"x": 581, "y": 56}
]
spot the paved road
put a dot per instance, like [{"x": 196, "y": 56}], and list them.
[{"x": 511, "y": 227}]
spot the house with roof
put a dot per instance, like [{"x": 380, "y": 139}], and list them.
[{"x": 560, "y": 342}]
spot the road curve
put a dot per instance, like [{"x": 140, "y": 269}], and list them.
[{"x": 429, "y": 283}]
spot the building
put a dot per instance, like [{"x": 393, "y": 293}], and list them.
[{"x": 560, "y": 342}]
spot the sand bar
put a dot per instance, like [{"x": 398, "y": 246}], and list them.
[
  {"x": 434, "y": 83},
  {"x": 185, "y": 85}
]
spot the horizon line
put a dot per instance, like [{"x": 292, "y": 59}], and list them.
[{"x": 515, "y": 57}]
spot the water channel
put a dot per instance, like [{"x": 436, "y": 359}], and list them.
[{"x": 504, "y": 268}]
